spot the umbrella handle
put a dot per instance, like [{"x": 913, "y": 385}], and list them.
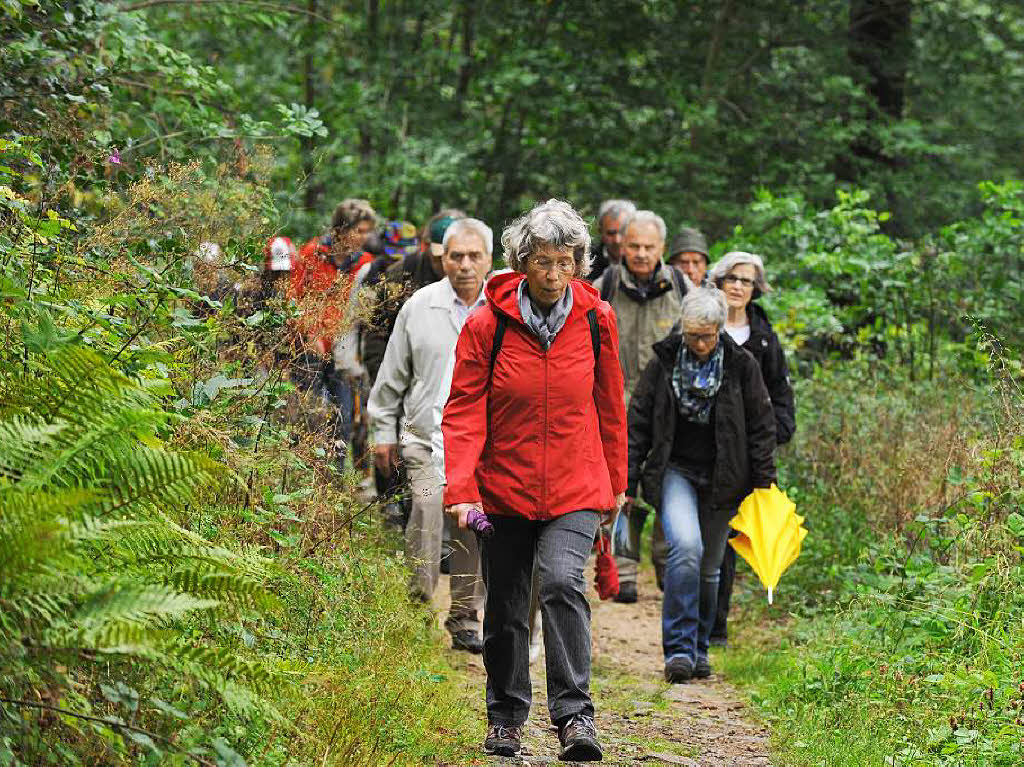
[{"x": 770, "y": 594}]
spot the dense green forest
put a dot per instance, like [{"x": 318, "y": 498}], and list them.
[{"x": 185, "y": 579}]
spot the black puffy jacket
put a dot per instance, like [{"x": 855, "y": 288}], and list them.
[
  {"x": 743, "y": 419},
  {"x": 764, "y": 345}
]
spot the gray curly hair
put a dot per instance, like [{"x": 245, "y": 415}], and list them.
[{"x": 554, "y": 223}]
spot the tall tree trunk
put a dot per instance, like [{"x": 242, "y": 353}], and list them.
[
  {"x": 309, "y": 88},
  {"x": 373, "y": 23},
  {"x": 466, "y": 67},
  {"x": 879, "y": 44}
]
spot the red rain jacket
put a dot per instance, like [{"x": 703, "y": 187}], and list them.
[{"x": 557, "y": 436}]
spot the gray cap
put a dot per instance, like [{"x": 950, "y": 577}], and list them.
[{"x": 689, "y": 241}]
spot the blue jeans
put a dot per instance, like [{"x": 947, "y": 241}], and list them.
[{"x": 696, "y": 536}]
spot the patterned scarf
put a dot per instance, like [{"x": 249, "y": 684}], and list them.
[
  {"x": 696, "y": 383},
  {"x": 545, "y": 327}
]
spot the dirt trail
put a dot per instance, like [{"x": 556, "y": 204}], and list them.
[{"x": 641, "y": 719}]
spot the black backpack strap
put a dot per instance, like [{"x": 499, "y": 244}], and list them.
[
  {"x": 678, "y": 281},
  {"x": 595, "y": 335},
  {"x": 499, "y": 336},
  {"x": 610, "y": 282}
]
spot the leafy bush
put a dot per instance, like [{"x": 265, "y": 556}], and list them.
[
  {"x": 849, "y": 287},
  {"x": 910, "y": 585}
]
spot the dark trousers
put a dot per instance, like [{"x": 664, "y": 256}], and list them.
[
  {"x": 726, "y": 575},
  {"x": 560, "y": 548}
]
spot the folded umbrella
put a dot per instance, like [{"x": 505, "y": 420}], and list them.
[
  {"x": 606, "y": 572},
  {"x": 770, "y": 534}
]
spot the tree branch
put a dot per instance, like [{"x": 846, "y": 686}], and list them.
[
  {"x": 108, "y": 722},
  {"x": 258, "y": 3}
]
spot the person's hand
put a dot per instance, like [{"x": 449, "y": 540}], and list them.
[
  {"x": 459, "y": 512},
  {"x": 385, "y": 456},
  {"x": 608, "y": 517}
]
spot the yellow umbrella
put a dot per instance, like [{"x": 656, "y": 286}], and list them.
[{"x": 770, "y": 534}]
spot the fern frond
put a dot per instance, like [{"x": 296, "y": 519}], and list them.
[
  {"x": 217, "y": 665},
  {"x": 156, "y": 479},
  {"x": 33, "y": 529},
  {"x": 24, "y": 441},
  {"x": 226, "y": 588},
  {"x": 132, "y": 604}
]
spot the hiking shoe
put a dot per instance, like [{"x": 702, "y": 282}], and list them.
[
  {"x": 468, "y": 641},
  {"x": 394, "y": 519},
  {"x": 578, "y": 737},
  {"x": 504, "y": 740},
  {"x": 678, "y": 670},
  {"x": 701, "y": 669},
  {"x": 627, "y": 593}
]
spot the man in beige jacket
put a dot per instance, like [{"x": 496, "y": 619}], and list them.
[{"x": 402, "y": 418}]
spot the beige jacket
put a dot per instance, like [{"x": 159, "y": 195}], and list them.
[{"x": 644, "y": 317}]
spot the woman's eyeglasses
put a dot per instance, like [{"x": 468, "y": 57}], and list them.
[
  {"x": 700, "y": 338},
  {"x": 734, "y": 278},
  {"x": 565, "y": 266}
]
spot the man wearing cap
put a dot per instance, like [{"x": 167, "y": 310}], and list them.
[
  {"x": 401, "y": 409},
  {"x": 610, "y": 217},
  {"x": 689, "y": 254}
]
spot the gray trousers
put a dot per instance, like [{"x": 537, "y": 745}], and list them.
[
  {"x": 560, "y": 548},
  {"x": 423, "y": 536}
]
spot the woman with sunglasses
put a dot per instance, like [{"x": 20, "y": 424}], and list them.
[
  {"x": 741, "y": 276},
  {"x": 701, "y": 437}
]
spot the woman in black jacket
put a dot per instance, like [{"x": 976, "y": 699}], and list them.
[
  {"x": 741, "y": 276},
  {"x": 701, "y": 437}
]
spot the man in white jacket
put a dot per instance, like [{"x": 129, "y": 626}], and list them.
[{"x": 402, "y": 419}]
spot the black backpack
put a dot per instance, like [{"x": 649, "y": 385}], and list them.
[{"x": 499, "y": 337}]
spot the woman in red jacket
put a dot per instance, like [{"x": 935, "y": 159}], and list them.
[{"x": 535, "y": 437}]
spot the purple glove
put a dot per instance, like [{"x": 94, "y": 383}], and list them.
[{"x": 477, "y": 521}]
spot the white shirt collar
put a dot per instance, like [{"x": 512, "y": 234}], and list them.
[{"x": 456, "y": 301}]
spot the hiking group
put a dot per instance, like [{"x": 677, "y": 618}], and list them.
[{"x": 514, "y": 413}]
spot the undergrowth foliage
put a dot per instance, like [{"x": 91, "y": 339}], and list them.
[
  {"x": 185, "y": 574},
  {"x": 91, "y": 562},
  {"x": 910, "y": 647}
]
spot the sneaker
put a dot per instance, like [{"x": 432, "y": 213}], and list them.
[
  {"x": 468, "y": 641},
  {"x": 578, "y": 737},
  {"x": 678, "y": 670},
  {"x": 504, "y": 740},
  {"x": 701, "y": 669},
  {"x": 627, "y": 593}
]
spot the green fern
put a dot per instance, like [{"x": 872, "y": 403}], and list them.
[{"x": 91, "y": 562}]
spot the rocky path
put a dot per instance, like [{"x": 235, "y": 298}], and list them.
[{"x": 641, "y": 719}]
